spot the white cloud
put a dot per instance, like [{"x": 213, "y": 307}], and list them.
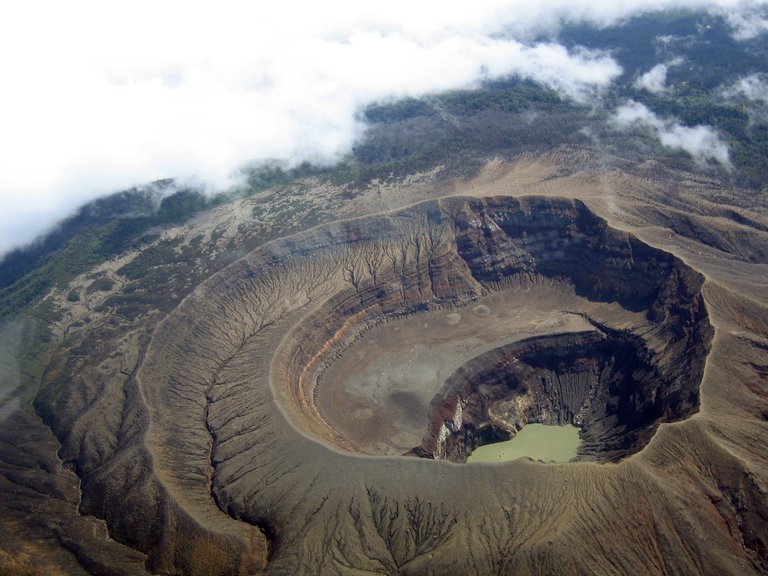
[
  {"x": 99, "y": 96},
  {"x": 753, "y": 87},
  {"x": 703, "y": 143},
  {"x": 747, "y": 20},
  {"x": 655, "y": 80}
]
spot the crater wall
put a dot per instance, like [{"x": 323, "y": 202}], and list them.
[{"x": 616, "y": 383}]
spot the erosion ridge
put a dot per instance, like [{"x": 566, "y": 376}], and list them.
[{"x": 219, "y": 433}]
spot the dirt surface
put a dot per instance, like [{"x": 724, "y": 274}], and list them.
[{"x": 194, "y": 435}]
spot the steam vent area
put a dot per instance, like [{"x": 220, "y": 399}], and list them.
[{"x": 454, "y": 323}]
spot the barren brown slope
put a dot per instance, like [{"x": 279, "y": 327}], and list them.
[
  {"x": 280, "y": 313},
  {"x": 192, "y": 427}
]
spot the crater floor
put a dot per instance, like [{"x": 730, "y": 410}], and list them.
[{"x": 377, "y": 394}]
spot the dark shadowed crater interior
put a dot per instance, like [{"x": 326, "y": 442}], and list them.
[{"x": 462, "y": 320}]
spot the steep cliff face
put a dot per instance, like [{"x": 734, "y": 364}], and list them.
[
  {"x": 499, "y": 237},
  {"x": 608, "y": 384}
]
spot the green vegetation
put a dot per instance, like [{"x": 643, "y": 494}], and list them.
[
  {"x": 458, "y": 130},
  {"x": 710, "y": 59},
  {"x": 161, "y": 254},
  {"x": 747, "y": 137},
  {"x": 25, "y": 347},
  {"x": 710, "y": 54},
  {"x": 265, "y": 175},
  {"x": 100, "y": 285},
  {"x": 99, "y": 231}
]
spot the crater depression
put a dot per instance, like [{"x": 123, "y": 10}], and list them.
[
  {"x": 280, "y": 397},
  {"x": 457, "y": 322}
]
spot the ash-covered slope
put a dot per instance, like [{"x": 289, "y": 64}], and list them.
[{"x": 198, "y": 440}]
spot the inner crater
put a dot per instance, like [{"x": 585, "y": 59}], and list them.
[{"x": 455, "y": 323}]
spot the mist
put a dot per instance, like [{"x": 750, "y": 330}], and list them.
[
  {"x": 753, "y": 88},
  {"x": 702, "y": 142},
  {"x": 99, "y": 97},
  {"x": 655, "y": 80}
]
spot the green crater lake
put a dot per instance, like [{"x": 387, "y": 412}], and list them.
[{"x": 537, "y": 441}]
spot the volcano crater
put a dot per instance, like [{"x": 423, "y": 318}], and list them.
[{"x": 455, "y": 323}]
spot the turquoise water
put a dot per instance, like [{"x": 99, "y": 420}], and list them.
[{"x": 537, "y": 441}]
